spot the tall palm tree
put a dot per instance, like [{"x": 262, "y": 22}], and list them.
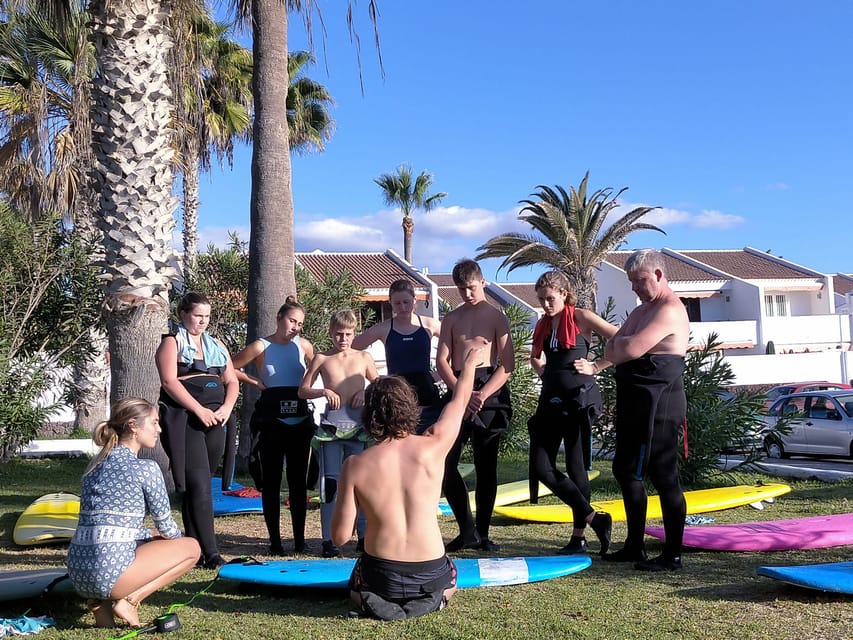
[
  {"x": 132, "y": 122},
  {"x": 569, "y": 235},
  {"x": 271, "y": 261},
  {"x": 402, "y": 189},
  {"x": 218, "y": 104},
  {"x": 308, "y": 118}
]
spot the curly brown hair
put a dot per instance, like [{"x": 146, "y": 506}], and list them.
[{"x": 391, "y": 409}]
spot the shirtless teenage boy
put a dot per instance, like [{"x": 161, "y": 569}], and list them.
[
  {"x": 340, "y": 433},
  {"x": 404, "y": 571},
  {"x": 648, "y": 351},
  {"x": 489, "y": 408}
]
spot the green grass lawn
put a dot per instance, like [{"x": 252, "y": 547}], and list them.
[{"x": 716, "y": 595}]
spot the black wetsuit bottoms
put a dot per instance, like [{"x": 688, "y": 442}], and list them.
[
  {"x": 195, "y": 452},
  {"x": 484, "y": 430},
  {"x": 278, "y": 442},
  {"x": 548, "y": 427},
  {"x": 650, "y": 409},
  {"x": 393, "y": 590}
]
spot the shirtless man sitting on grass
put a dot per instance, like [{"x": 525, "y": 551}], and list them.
[{"x": 404, "y": 571}]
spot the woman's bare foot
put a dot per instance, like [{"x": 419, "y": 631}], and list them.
[
  {"x": 103, "y": 612},
  {"x": 126, "y": 609}
]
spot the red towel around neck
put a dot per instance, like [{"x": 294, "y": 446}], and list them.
[{"x": 567, "y": 331}]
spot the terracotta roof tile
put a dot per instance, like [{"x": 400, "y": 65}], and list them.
[
  {"x": 747, "y": 265},
  {"x": 442, "y": 279},
  {"x": 448, "y": 292},
  {"x": 677, "y": 270},
  {"x": 368, "y": 270},
  {"x": 523, "y": 291},
  {"x": 842, "y": 283}
]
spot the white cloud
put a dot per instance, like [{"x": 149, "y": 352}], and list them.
[
  {"x": 339, "y": 234},
  {"x": 709, "y": 219},
  {"x": 778, "y": 186},
  {"x": 665, "y": 217}
]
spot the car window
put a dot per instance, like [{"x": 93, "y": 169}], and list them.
[
  {"x": 778, "y": 392},
  {"x": 846, "y": 403},
  {"x": 817, "y": 407},
  {"x": 793, "y": 407}
]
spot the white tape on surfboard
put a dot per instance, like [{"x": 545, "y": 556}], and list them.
[{"x": 502, "y": 571}]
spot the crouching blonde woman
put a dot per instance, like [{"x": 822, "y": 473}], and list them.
[{"x": 113, "y": 560}]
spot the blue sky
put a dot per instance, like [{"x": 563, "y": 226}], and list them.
[{"x": 734, "y": 117}]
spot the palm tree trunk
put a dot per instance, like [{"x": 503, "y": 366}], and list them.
[
  {"x": 92, "y": 385},
  {"x": 408, "y": 231},
  {"x": 131, "y": 118},
  {"x": 191, "y": 206},
  {"x": 271, "y": 270}
]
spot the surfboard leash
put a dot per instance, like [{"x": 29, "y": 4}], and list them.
[{"x": 169, "y": 621}]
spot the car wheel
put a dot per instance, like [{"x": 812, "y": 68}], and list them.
[{"x": 775, "y": 450}]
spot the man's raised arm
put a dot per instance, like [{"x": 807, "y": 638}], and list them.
[{"x": 446, "y": 428}]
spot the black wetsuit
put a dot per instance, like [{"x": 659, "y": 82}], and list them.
[
  {"x": 568, "y": 406},
  {"x": 282, "y": 426},
  {"x": 195, "y": 450},
  {"x": 409, "y": 356},
  {"x": 650, "y": 409},
  {"x": 484, "y": 430}
]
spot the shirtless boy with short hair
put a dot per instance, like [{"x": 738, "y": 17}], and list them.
[
  {"x": 489, "y": 410},
  {"x": 340, "y": 433},
  {"x": 648, "y": 351},
  {"x": 404, "y": 571}
]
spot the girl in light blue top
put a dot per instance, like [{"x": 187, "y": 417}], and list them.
[{"x": 282, "y": 425}]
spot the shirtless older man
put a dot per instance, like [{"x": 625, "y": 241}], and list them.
[
  {"x": 648, "y": 351},
  {"x": 404, "y": 571}
]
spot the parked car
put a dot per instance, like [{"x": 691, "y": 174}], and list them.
[
  {"x": 815, "y": 423},
  {"x": 800, "y": 387},
  {"x": 749, "y": 437}
]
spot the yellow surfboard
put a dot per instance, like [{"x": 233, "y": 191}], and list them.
[
  {"x": 51, "y": 518},
  {"x": 508, "y": 493},
  {"x": 700, "y": 501}
]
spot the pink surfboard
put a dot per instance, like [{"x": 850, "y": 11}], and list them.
[{"x": 773, "y": 535}]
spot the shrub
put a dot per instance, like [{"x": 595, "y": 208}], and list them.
[{"x": 523, "y": 383}]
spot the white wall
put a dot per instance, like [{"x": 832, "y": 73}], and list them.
[
  {"x": 613, "y": 282},
  {"x": 832, "y": 366}
]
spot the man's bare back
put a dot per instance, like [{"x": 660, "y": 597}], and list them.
[{"x": 397, "y": 482}]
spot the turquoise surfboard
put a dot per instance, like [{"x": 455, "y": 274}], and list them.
[
  {"x": 226, "y": 505},
  {"x": 836, "y": 577},
  {"x": 472, "y": 572}
]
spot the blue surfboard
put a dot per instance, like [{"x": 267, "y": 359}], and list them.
[
  {"x": 226, "y": 505},
  {"x": 472, "y": 572},
  {"x": 836, "y": 577}
]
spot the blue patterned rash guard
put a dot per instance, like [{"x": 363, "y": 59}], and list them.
[{"x": 116, "y": 496}]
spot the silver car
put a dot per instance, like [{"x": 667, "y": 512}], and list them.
[{"x": 818, "y": 423}]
